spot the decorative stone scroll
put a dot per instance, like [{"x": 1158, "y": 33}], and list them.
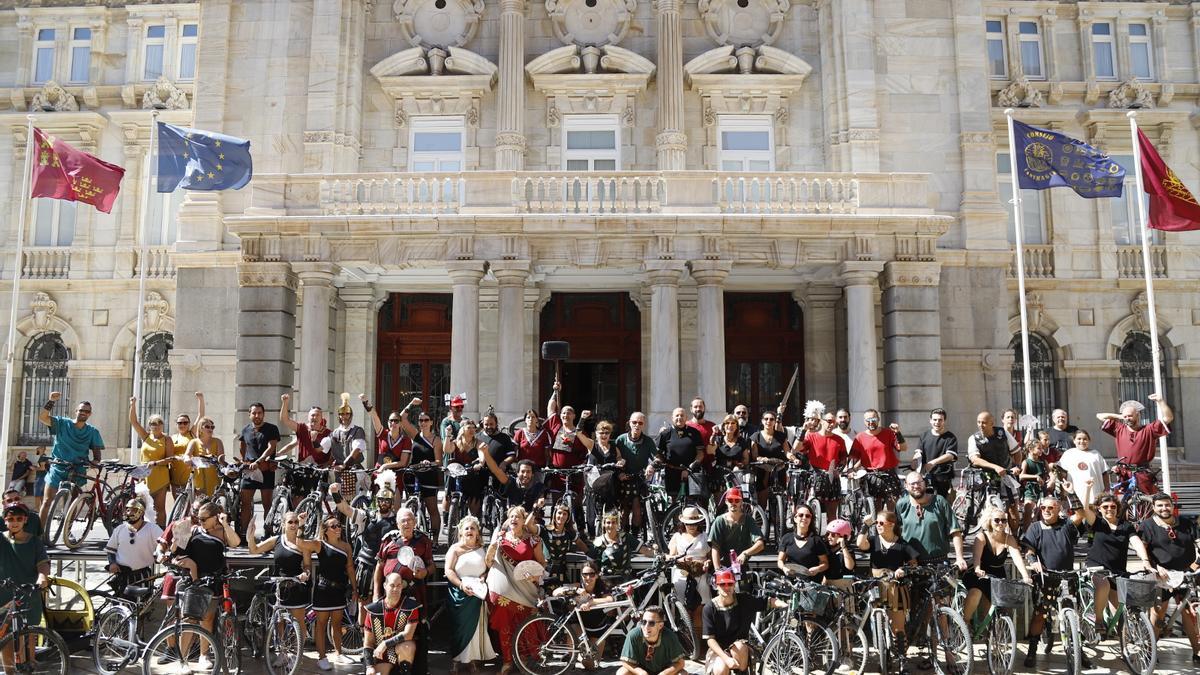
[
  {"x": 590, "y": 23},
  {"x": 437, "y": 23},
  {"x": 164, "y": 95},
  {"x": 44, "y": 308},
  {"x": 1020, "y": 94},
  {"x": 1130, "y": 94},
  {"x": 744, "y": 23},
  {"x": 610, "y": 81},
  {"x": 53, "y": 98},
  {"x": 436, "y": 82}
]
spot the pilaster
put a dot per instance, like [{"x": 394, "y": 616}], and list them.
[
  {"x": 266, "y": 333},
  {"x": 860, "y": 279},
  {"x": 710, "y": 278},
  {"x": 820, "y": 340},
  {"x": 912, "y": 341},
  {"x": 362, "y": 302},
  {"x": 316, "y": 284},
  {"x": 510, "y": 101},
  {"x": 464, "y": 334},
  {"x": 662, "y": 276}
]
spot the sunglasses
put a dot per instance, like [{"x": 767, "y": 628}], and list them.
[
  {"x": 768, "y": 419},
  {"x": 425, "y": 419},
  {"x": 12, "y": 519},
  {"x": 209, "y": 427},
  {"x": 292, "y": 522},
  {"x": 803, "y": 516},
  {"x": 726, "y": 585},
  {"x": 156, "y": 424},
  {"x": 1108, "y": 507},
  {"x": 397, "y": 421},
  {"x": 1048, "y": 508},
  {"x": 587, "y": 574},
  {"x": 333, "y": 526},
  {"x": 649, "y": 622},
  {"x": 182, "y": 422}
]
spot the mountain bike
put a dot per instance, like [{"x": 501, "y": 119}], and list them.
[
  {"x": 68, "y": 490},
  {"x": 1135, "y": 504},
  {"x": 975, "y": 492},
  {"x": 120, "y": 625},
  {"x": 32, "y": 649},
  {"x": 410, "y": 493},
  {"x": 1130, "y": 620},
  {"x": 296, "y": 478},
  {"x": 102, "y": 501},
  {"x": 808, "y": 633},
  {"x": 935, "y": 625},
  {"x": 189, "y": 645},
  {"x": 272, "y": 630},
  {"x": 1060, "y": 605}
]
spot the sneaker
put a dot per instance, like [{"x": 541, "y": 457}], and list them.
[
  {"x": 1031, "y": 658},
  {"x": 1086, "y": 662},
  {"x": 324, "y": 664},
  {"x": 1196, "y": 658},
  {"x": 203, "y": 664}
]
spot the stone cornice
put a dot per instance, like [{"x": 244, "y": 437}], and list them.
[
  {"x": 911, "y": 274},
  {"x": 266, "y": 275}
]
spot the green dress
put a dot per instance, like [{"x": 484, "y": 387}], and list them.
[{"x": 19, "y": 562}]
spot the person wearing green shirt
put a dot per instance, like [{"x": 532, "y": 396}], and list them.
[
  {"x": 637, "y": 449},
  {"x": 928, "y": 522},
  {"x": 33, "y": 525},
  {"x": 734, "y": 531},
  {"x": 651, "y": 648}
]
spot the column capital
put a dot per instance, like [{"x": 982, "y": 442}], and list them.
[
  {"x": 267, "y": 274},
  {"x": 663, "y": 272},
  {"x": 466, "y": 271},
  {"x": 860, "y": 272},
  {"x": 662, "y": 6},
  {"x": 710, "y": 272},
  {"x": 510, "y": 272},
  {"x": 512, "y": 6},
  {"x": 362, "y": 296},
  {"x": 315, "y": 273},
  {"x": 904, "y": 273},
  {"x": 813, "y": 296}
]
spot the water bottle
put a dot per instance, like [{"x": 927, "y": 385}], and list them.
[{"x": 734, "y": 564}]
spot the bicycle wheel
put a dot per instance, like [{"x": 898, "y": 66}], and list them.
[
  {"x": 45, "y": 654},
  {"x": 183, "y": 504},
  {"x": 853, "y": 649},
  {"x": 1138, "y": 507},
  {"x": 881, "y": 635},
  {"x": 228, "y": 506},
  {"x": 1068, "y": 633},
  {"x": 112, "y": 649},
  {"x": 352, "y": 632},
  {"x": 81, "y": 516},
  {"x": 541, "y": 648},
  {"x": 786, "y": 654},
  {"x": 114, "y": 509},
  {"x": 56, "y": 517},
  {"x": 1001, "y": 644},
  {"x": 227, "y": 634},
  {"x": 185, "y": 646},
  {"x": 759, "y": 515},
  {"x": 284, "y": 647},
  {"x": 681, "y": 622},
  {"x": 1139, "y": 647},
  {"x": 254, "y": 628},
  {"x": 950, "y": 643},
  {"x": 1087, "y": 615},
  {"x": 273, "y": 520},
  {"x": 311, "y": 508},
  {"x": 455, "y": 515},
  {"x": 822, "y": 647}
]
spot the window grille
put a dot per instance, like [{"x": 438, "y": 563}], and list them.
[
  {"x": 44, "y": 370},
  {"x": 1041, "y": 377},
  {"x": 156, "y": 377}
]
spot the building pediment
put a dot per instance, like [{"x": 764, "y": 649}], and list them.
[{"x": 433, "y": 81}]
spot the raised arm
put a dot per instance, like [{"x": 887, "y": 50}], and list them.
[
  {"x": 405, "y": 423},
  {"x": 199, "y": 407},
  {"x": 1164, "y": 411},
  {"x": 492, "y": 466},
  {"x": 285, "y": 417},
  {"x": 133, "y": 419},
  {"x": 44, "y": 413},
  {"x": 552, "y": 405},
  {"x": 256, "y": 547},
  {"x": 1104, "y": 417},
  {"x": 372, "y": 413}
]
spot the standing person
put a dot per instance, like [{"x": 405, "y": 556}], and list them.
[
  {"x": 1168, "y": 544},
  {"x": 732, "y": 450},
  {"x": 500, "y": 445},
  {"x": 131, "y": 547},
  {"x": 1052, "y": 541},
  {"x": 468, "y": 450},
  {"x": 347, "y": 446},
  {"x": 185, "y": 432},
  {"x": 928, "y": 523},
  {"x": 1034, "y": 475},
  {"x": 23, "y": 559},
  {"x": 158, "y": 453},
  {"x": 802, "y": 551},
  {"x": 390, "y": 628},
  {"x": 292, "y": 556},
  {"x": 39, "y": 480},
  {"x": 257, "y": 444},
  {"x": 22, "y": 472},
  {"x": 1008, "y": 420},
  {"x": 890, "y": 554},
  {"x": 994, "y": 544},
  {"x": 406, "y": 535},
  {"x": 1082, "y": 463},
  {"x": 842, "y": 417},
  {"x": 637, "y": 449},
  {"x": 512, "y": 599},
  {"x": 825, "y": 452},
  {"x": 205, "y": 444},
  {"x": 878, "y": 449},
  {"x": 682, "y": 449},
  {"x": 733, "y": 536},
  {"x": 998, "y": 453},
  {"x": 313, "y": 439},
  {"x": 652, "y": 648},
  {"x": 568, "y": 449},
  {"x": 73, "y": 440},
  {"x": 450, "y": 424},
  {"x": 1137, "y": 443},
  {"x": 533, "y": 440},
  {"x": 692, "y": 574},
  {"x": 372, "y": 532},
  {"x": 205, "y": 545},
  {"x": 466, "y": 567},
  {"x": 394, "y": 439},
  {"x": 335, "y": 575},
  {"x": 745, "y": 427},
  {"x": 425, "y": 449},
  {"x": 937, "y": 451},
  {"x": 727, "y": 620},
  {"x": 1062, "y": 435},
  {"x": 621, "y": 491},
  {"x": 708, "y": 432},
  {"x": 1112, "y": 536}
]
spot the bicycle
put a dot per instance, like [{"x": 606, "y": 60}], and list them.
[
  {"x": 1136, "y": 504},
  {"x": 26, "y": 648},
  {"x": 933, "y": 623},
  {"x": 1130, "y": 619},
  {"x": 101, "y": 500},
  {"x": 297, "y": 477},
  {"x": 272, "y": 630},
  {"x": 1190, "y": 582},
  {"x": 655, "y": 505},
  {"x": 974, "y": 492},
  {"x": 69, "y": 489},
  {"x": 121, "y": 623},
  {"x": 458, "y": 506},
  {"x": 807, "y": 633},
  {"x": 998, "y": 629},
  {"x": 744, "y": 479},
  {"x": 192, "y": 646},
  {"x": 410, "y": 493},
  {"x": 1066, "y": 616},
  {"x": 226, "y": 493}
]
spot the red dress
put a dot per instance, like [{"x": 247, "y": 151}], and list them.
[{"x": 506, "y": 614}]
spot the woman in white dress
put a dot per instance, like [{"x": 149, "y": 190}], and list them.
[
  {"x": 466, "y": 567},
  {"x": 693, "y": 570}
]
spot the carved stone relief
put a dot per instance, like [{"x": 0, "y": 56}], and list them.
[
  {"x": 593, "y": 23},
  {"x": 744, "y": 23},
  {"x": 164, "y": 95},
  {"x": 1131, "y": 94},
  {"x": 1020, "y": 94},
  {"x": 44, "y": 308},
  {"x": 53, "y": 98},
  {"x": 438, "y": 23}
]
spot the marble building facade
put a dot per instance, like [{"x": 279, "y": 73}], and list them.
[{"x": 844, "y": 155}]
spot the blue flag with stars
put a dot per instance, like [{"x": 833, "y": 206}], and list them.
[
  {"x": 201, "y": 160},
  {"x": 1047, "y": 159}
]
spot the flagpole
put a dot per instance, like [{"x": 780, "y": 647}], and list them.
[
  {"x": 1020, "y": 245},
  {"x": 1149, "y": 274},
  {"x": 134, "y": 441},
  {"x": 10, "y": 345}
]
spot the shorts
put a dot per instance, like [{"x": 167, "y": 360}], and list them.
[
  {"x": 57, "y": 474},
  {"x": 366, "y": 580},
  {"x": 39, "y": 485},
  {"x": 168, "y": 586},
  {"x": 267, "y": 483}
]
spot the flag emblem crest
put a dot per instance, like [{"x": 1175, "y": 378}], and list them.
[
  {"x": 1176, "y": 188},
  {"x": 1038, "y": 158}
]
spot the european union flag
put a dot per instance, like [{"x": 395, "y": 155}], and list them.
[
  {"x": 1047, "y": 159},
  {"x": 201, "y": 160}
]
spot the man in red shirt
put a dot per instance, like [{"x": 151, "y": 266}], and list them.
[
  {"x": 312, "y": 439},
  {"x": 1136, "y": 442},
  {"x": 825, "y": 451},
  {"x": 878, "y": 449}
]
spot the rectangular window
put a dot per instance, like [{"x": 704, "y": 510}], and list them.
[
  {"x": 1103, "y": 55},
  {"x": 162, "y": 221},
  {"x": 156, "y": 40},
  {"x": 54, "y": 222},
  {"x": 43, "y": 56},
  {"x": 1033, "y": 211},
  {"x": 1141, "y": 60},
  {"x": 1123, "y": 211},
  {"x": 436, "y": 144},
  {"x": 591, "y": 143},
  {"x": 746, "y": 143},
  {"x": 187, "y": 51},
  {"x": 81, "y": 54},
  {"x": 997, "y": 54},
  {"x": 1030, "y": 38}
]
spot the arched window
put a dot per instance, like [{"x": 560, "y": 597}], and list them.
[
  {"x": 1041, "y": 377},
  {"x": 1137, "y": 372},
  {"x": 44, "y": 370},
  {"x": 156, "y": 378}
]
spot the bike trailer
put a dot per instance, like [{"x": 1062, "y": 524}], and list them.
[{"x": 69, "y": 612}]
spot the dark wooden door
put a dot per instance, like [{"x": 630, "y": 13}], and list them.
[
  {"x": 414, "y": 352},
  {"x": 764, "y": 346}
]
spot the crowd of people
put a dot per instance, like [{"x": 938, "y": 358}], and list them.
[{"x": 1056, "y": 489}]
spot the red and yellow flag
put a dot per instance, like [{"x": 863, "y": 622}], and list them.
[
  {"x": 63, "y": 172},
  {"x": 1172, "y": 206}
]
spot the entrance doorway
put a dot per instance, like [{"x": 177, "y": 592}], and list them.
[
  {"x": 414, "y": 353},
  {"x": 764, "y": 347},
  {"x": 604, "y": 372}
]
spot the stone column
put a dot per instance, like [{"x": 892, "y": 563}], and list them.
[
  {"x": 820, "y": 341},
  {"x": 510, "y": 125},
  {"x": 862, "y": 362},
  {"x": 316, "y": 283},
  {"x": 663, "y": 278},
  {"x": 362, "y": 303},
  {"x": 671, "y": 141},
  {"x": 266, "y": 333},
  {"x": 464, "y": 333},
  {"x": 512, "y": 369},
  {"x": 710, "y": 329},
  {"x": 912, "y": 341}
]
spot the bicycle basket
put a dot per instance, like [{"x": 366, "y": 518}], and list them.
[
  {"x": 242, "y": 589},
  {"x": 195, "y": 600},
  {"x": 1137, "y": 592},
  {"x": 1009, "y": 594},
  {"x": 817, "y": 600}
]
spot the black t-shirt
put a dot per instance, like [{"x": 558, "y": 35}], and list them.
[
  {"x": 1110, "y": 546},
  {"x": 207, "y": 551},
  {"x": 1061, "y": 441},
  {"x": 728, "y": 455},
  {"x": 1174, "y": 554},
  {"x": 680, "y": 447},
  {"x": 500, "y": 446},
  {"x": 837, "y": 563},
  {"x": 515, "y": 494},
  {"x": 930, "y": 447},
  {"x": 258, "y": 440},
  {"x": 892, "y": 558},
  {"x": 1055, "y": 545},
  {"x": 730, "y": 624},
  {"x": 805, "y": 552},
  {"x": 773, "y": 447}
]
